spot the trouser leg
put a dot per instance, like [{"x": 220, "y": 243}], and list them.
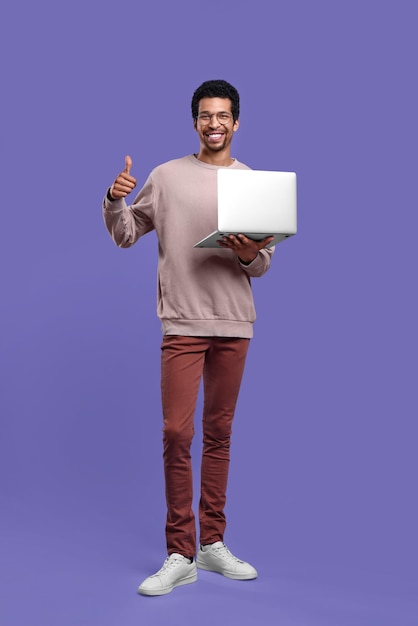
[
  {"x": 182, "y": 362},
  {"x": 223, "y": 370}
]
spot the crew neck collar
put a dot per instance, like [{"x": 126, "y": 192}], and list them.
[{"x": 197, "y": 161}]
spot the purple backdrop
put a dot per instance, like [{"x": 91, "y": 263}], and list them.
[{"x": 322, "y": 495}]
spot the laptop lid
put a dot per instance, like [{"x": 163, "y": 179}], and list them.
[{"x": 255, "y": 203}]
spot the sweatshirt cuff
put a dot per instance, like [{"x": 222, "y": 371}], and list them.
[
  {"x": 113, "y": 205},
  {"x": 256, "y": 267}
]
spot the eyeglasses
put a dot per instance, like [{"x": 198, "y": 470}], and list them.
[{"x": 223, "y": 117}]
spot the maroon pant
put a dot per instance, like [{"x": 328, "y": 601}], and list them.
[{"x": 184, "y": 360}]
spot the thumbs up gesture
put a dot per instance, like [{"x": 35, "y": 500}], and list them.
[{"x": 124, "y": 183}]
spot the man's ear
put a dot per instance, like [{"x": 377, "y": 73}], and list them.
[
  {"x": 235, "y": 126},
  {"x": 195, "y": 124}
]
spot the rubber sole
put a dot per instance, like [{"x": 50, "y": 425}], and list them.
[{"x": 164, "y": 590}]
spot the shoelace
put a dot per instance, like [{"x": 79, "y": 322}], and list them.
[
  {"x": 224, "y": 553},
  {"x": 168, "y": 564}
]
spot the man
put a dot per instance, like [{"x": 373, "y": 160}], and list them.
[{"x": 206, "y": 308}]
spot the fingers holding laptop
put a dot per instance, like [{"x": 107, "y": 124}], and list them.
[
  {"x": 124, "y": 183},
  {"x": 246, "y": 249}
]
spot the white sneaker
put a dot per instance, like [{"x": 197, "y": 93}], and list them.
[
  {"x": 216, "y": 557},
  {"x": 176, "y": 571}
]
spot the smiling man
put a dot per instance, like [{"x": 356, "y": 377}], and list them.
[
  {"x": 215, "y": 129},
  {"x": 207, "y": 313}
]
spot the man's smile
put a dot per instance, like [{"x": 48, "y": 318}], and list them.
[{"x": 214, "y": 136}]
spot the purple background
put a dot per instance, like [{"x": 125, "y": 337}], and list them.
[{"x": 322, "y": 495}]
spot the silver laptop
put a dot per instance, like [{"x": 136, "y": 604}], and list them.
[{"x": 254, "y": 203}]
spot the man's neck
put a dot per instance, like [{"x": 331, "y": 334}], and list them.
[{"x": 215, "y": 158}]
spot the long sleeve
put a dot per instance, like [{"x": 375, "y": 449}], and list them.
[
  {"x": 261, "y": 263},
  {"x": 126, "y": 224}
]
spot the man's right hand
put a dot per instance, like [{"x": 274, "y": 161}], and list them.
[{"x": 124, "y": 183}]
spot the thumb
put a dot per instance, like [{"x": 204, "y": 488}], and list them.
[{"x": 128, "y": 164}]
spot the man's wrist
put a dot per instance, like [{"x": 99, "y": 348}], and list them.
[
  {"x": 248, "y": 262},
  {"x": 109, "y": 195}
]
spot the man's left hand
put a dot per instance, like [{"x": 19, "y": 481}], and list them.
[{"x": 246, "y": 249}]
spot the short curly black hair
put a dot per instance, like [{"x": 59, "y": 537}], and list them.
[{"x": 216, "y": 89}]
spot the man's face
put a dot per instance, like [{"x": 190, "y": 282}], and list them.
[{"x": 215, "y": 133}]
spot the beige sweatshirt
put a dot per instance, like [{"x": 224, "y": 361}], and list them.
[{"x": 201, "y": 292}]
